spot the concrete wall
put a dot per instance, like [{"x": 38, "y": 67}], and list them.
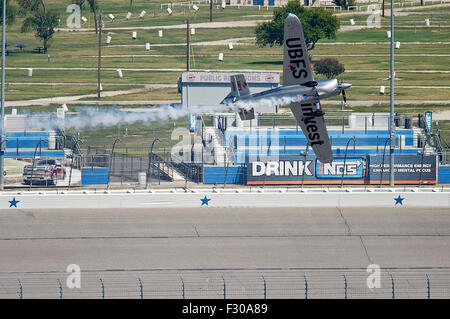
[{"x": 248, "y": 197}]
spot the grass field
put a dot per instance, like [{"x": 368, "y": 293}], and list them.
[{"x": 71, "y": 68}]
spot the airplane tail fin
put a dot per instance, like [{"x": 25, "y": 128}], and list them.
[{"x": 239, "y": 87}]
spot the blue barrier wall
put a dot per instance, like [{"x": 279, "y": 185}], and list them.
[
  {"x": 29, "y": 154},
  {"x": 444, "y": 175},
  {"x": 94, "y": 176},
  {"x": 292, "y": 138},
  {"x": 23, "y": 145},
  {"x": 242, "y": 156},
  {"x": 216, "y": 175},
  {"x": 27, "y": 139}
]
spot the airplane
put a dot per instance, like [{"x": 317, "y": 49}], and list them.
[{"x": 299, "y": 88}]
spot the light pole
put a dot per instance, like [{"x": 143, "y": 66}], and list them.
[
  {"x": 210, "y": 10},
  {"x": 150, "y": 156},
  {"x": 188, "y": 47},
  {"x": 73, "y": 155},
  {"x": 345, "y": 158},
  {"x": 382, "y": 163},
  {"x": 2, "y": 121},
  {"x": 391, "y": 93},
  {"x": 32, "y": 166},
  {"x": 304, "y": 153},
  {"x": 99, "y": 63},
  {"x": 110, "y": 159}
]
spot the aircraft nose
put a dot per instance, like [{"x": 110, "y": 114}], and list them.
[{"x": 344, "y": 85}]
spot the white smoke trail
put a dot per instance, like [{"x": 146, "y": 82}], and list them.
[
  {"x": 265, "y": 102},
  {"x": 89, "y": 117}
]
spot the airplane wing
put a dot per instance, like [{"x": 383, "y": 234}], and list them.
[
  {"x": 313, "y": 126},
  {"x": 296, "y": 64}
]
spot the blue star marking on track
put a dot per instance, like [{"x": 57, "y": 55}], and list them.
[
  {"x": 205, "y": 201},
  {"x": 399, "y": 200},
  {"x": 13, "y": 203}
]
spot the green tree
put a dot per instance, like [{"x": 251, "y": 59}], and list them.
[
  {"x": 330, "y": 67},
  {"x": 344, "y": 4},
  {"x": 79, "y": 2},
  {"x": 40, "y": 20},
  {"x": 11, "y": 12},
  {"x": 317, "y": 24},
  {"x": 93, "y": 4}
]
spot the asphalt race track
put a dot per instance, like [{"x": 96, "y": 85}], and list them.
[{"x": 201, "y": 250}]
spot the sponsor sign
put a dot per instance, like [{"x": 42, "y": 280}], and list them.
[
  {"x": 224, "y": 77},
  {"x": 298, "y": 169},
  {"x": 192, "y": 122},
  {"x": 354, "y": 168},
  {"x": 407, "y": 169},
  {"x": 428, "y": 121}
]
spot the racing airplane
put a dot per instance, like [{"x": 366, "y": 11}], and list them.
[{"x": 299, "y": 88}]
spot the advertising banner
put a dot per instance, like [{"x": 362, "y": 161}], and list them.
[
  {"x": 407, "y": 169},
  {"x": 429, "y": 121},
  {"x": 307, "y": 170},
  {"x": 224, "y": 77},
  {"x": 192, "y": 122}
]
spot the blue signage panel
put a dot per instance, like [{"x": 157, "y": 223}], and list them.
[
  {"x": 354, "y": 168},
  {"x": 192, "y": 122},
  {"x": 428, "y": 121},
  {"x": 408, "y": 169},
  {"x": 94, "y": 176},
  {"x": 307, "y": 170}
]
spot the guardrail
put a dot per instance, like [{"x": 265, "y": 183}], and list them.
[{"x": 226, "y": 284}]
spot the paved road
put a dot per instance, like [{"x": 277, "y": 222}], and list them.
[{"x": 202, "y": 245}]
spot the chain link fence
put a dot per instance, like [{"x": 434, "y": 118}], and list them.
[{"x": 313, "y": 284}]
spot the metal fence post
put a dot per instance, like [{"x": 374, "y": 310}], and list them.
[
  {"x": 60, "y": 289},
  {"x": 345, "y": 158},
  {"x": 306, "y": 287},
  {"x": 141, "y": 288},
  {"x": 182, "y": 288},
  {"x": 224, "y": 288},
  {"x": 265, "y": 287},
  {"x": 20, "y": 289},
  {"x": 103, "y": 288},
  {"x": 345, "y": 287},
  {"x": 393, "y": 287},
  {"x": 382, "y": 163},
  {"x": 428, "y": 288},
  {"x": 365, "y": 125}
]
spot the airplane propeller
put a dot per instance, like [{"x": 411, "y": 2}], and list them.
[{"x": 342, "y": 87}]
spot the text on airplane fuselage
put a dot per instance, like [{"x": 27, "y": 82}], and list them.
[{"x": 296, "y": 58}]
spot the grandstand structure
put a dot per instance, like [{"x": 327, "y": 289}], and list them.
[
  {"x": 25, "y": 139},
  {"x": 362, "y": 138}
]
